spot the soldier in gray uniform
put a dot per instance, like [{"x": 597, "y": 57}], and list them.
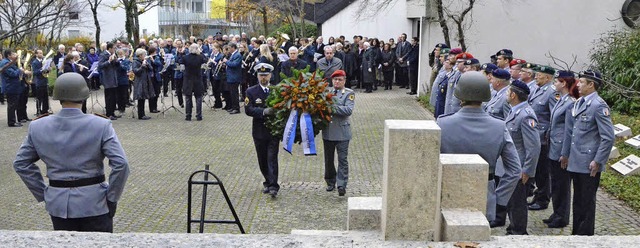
[
  {"x": 473, "y": 131},
  {"x": 527, "y": 75},
  {"x": 542, "y": 100},
  {"x": 453, "y": 79},
  {"x": 73, "y": 146},
  {"x": 560, "y": 179},
  {"x": 337, "y": 135},
  {"x": 521, "y": 124},
  {"x": 498, "y": 107},
  {"x": 590, "y": 133}
]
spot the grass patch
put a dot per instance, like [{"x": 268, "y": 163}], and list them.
[
  {"x": 424, "y": 101},
  {"x": 626, "y": 188}
]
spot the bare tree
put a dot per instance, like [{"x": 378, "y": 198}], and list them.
[
  {"x": 446, "y": 14},
  {"x": 22, "y": 18},
  {"x": 93, "y": 5},
  {"x": 458, "y": 19},
  {"x": 133, "y": 9}
]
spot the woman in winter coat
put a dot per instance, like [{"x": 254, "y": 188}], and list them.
[{"x": 142, "y": 84}]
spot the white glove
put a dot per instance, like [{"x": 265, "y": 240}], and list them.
[
  {"x": 379, "y": 66},
  {"x": 267, "y": 111},
  {"x": 369, "y": 70}
]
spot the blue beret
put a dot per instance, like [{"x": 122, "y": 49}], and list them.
[
  {"x": 501, "y": 74},
  {"x": 489, "y": 67},
  {"x": 592, "y": 75},
  {"x": 563, "y": 74},
  {"x": 442, "y": 45},
  {"x": 505, "y": 52},
  {"x": 521, "y": 86},
  {"x": 545, "y": 69},
  {"x": 472, "y": 62}
]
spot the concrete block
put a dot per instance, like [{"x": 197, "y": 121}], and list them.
[
  {"x": 633, "y": 142},
  {"x": 464, "y": 182},
  {"x": 621, "y": 131},
  {"x": 614, "y": 153},
  {"x": 628, "y": 166},
  {"x": 364, "y": 213},
  {"x": 464, "y": 225},
  {"x": 411, "y": 181}
]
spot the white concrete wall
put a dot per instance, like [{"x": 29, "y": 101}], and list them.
[
  {"x": 385, "y": 24},
  {"x": 532, "y": 28},
  {"x": 149, "y": 21},
  {"x": 111, "y": 21}
]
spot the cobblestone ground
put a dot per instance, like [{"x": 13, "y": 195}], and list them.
[{"x": 165, "y": 150}]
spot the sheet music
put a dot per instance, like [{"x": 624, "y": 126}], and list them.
[{"x": 47, "y": 64}]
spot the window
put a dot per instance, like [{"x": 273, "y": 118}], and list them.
[
  {"x": 197, "y": 7},
  {"x": 74, "y": 15},
  {"x": 73, "y": 33}
]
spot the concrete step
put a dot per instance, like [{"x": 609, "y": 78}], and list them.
[
  {"x": 464, "y": 225},
  {"x": 364, "y": 213}
]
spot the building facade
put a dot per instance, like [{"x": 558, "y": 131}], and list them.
[{"x": 533, "y": 29}]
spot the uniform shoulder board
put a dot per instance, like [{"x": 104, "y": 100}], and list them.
[
  {"x": 41, "y": 116},
  {"x": 528, "y": 111},
  {"x": 445, "y": 115},
  {"x": 101, "y": 115},
  {"x": 348, "y": 90},
  {"x": 553, "y": 87}
]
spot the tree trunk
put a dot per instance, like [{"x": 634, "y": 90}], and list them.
[
  {"x": 94, "y": 10},
  {"x": 461, "y": 40},
  {"x": 136, "y": 25},
  {"x": 443, "y": 22},
  {"x": 265, "y": 23}
]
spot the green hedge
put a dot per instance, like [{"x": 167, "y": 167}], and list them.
[
  {"x": 310, "y": 30},
  {"x": 616, "y": 55}
]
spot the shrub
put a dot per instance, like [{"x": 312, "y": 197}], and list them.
[
  {"x": 616, "y": 56},
  {"x": 310, "y": 30}
]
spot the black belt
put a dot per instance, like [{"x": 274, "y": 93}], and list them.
[
  {"x": 491, "y": 176},
  {"x": 76, "y": 183}
]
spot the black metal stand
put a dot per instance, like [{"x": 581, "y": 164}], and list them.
[
  {"x": 205, "y": 183},
  {"x": 165, "y": 109}
]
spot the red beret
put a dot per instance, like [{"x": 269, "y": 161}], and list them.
[
  {"x": 456, "y": 50},
  {"x": 464, "y": 56},
  {"x": 338, "y": 73},
  {"x": 517, "y": 62}
]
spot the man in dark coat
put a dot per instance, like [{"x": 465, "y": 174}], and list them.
[
  {"x": 108, "y": 77},
  {"x": 192, "y": 82},
  {"x": 412, "y": 61},
  {"x": 293, "y": 62},
  {"x": 234, "y": 77},
  {"x": 266, "y": 145}
]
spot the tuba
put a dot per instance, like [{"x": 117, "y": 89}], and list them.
[
  {"x": 19, "y": 62},
  {"x": 27, "y": 67}
]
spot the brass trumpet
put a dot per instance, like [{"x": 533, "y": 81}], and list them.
[{"x": 20, "y": 62}]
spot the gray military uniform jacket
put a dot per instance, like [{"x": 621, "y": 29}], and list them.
[
  {"x": 329, "y": 67},
  {"x": 73, "y": 146},
  {"x": 452, "y": 103},
  {"x": 340, "y": 127},
  {"x": 542, "y": 101},
  {"x": 473, "y": 131},
  {"x": 590, "y": 133},
  {"x": 498, "y": 106},
  {"x": 521, "y": 124},
  {"x": 560, "y": 115}
]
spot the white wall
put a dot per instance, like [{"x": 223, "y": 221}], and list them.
[
  {"x": 388, "y": 23},
  {"x": 149, "y": 21},
  {"x": 532, "y": 28}
]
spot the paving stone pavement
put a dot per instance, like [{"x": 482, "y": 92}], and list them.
[{"x": 165, "y": 150}]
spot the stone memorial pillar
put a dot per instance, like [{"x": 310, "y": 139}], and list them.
[{"x": 411, "y": 181}]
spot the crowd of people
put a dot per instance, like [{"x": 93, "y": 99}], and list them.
[
  {"x": 145, "y": 72},
  {"x": 539, "y": 128}
]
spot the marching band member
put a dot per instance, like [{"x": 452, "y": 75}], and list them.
[{"x": 142, "y": 85}]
